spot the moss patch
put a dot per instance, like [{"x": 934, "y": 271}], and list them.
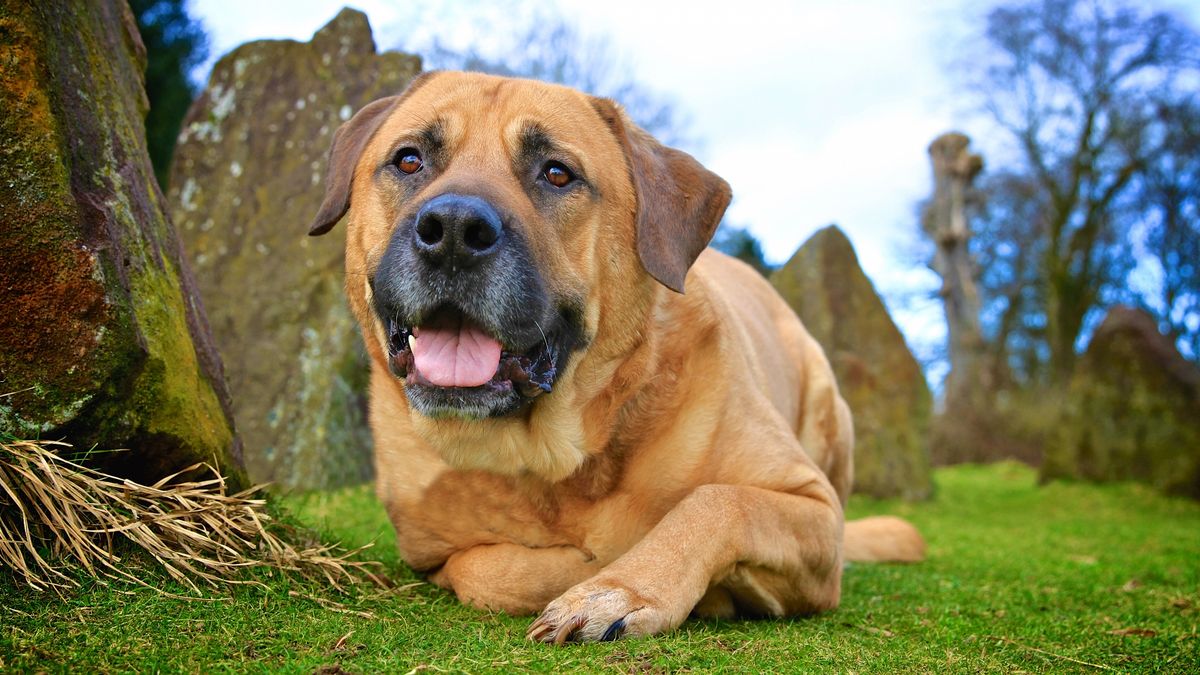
[{"x": 104, "y": 344}]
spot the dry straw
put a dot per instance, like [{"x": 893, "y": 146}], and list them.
[{"x": 54, "y": 512}]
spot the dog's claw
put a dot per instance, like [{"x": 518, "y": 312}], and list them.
[
  {"x": 567, "y": 631},
  {"x": 539, "y": 630},
  {"x": 596, "y": 611},
  {"x": 544, "y": 631},
  {"x": 614, "y": 630}
]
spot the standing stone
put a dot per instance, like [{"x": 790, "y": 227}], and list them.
[
  {"x": 1132, "y": 410},
  {"x": 103, "y": 341},
  {"x": 876, "y": 372},
  {"x": 245, "y": 182}
]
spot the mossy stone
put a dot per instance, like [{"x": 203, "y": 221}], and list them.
[
  {"x": 1131, "y": 410},
  {"x": 104, "y": 342},
  {"x": 246, "y": 180},
  {"x": 876, "y": 372}
]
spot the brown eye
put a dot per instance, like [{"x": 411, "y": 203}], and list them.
[
  {"x": 408, "y": 160},
  {"x": 557, "y": 175}
]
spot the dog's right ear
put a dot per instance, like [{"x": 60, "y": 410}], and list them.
[{"x": 349, "y": 141}]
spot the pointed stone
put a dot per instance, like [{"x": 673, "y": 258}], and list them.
[{"x": 876, "y": 372}]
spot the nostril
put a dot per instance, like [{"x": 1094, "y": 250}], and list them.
[
  {"x": 430, "y": 230},
  {"x": 480, "y": 235}
]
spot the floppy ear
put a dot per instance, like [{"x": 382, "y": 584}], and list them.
[
  {"x": 348, "y": 144},
  {"x": 679, "y": 202}
]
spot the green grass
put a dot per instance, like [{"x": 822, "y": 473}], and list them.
[{"x": 1019, "y": 578}]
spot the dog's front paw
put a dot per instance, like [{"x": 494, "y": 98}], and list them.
[{"x": 598, "y": 611}]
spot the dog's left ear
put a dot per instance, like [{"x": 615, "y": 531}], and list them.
[
  {"x": 679, "y": 202},
  {"x": 349, "y": 141}
]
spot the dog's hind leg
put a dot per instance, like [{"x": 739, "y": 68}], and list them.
[{"x": 883, "y": 539}]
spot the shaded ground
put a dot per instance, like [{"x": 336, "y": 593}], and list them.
[{"x": 1066, "y": 577}]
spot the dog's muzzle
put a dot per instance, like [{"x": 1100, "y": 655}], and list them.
[{"x": 471, "y": 328}]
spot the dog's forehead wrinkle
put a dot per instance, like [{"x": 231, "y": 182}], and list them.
[
  {"x": 534, "y": 139},
  {"x": 432, "y": 129},
  {"x": 507, "y": 135},
  {"x": 495, "y": 96},
  {"x": 432, "y": 133}
]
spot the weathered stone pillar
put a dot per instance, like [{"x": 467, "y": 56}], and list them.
[
  {"x": 1131, "y": 410},
  {"x": 245, "y": 182}
]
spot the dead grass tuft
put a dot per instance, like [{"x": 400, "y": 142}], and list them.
[{"x": 56, "y": 515}]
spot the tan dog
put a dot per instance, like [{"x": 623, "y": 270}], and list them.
[{"x": 558, "y": 429}]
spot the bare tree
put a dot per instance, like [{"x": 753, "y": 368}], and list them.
[
  {"x": 1080, "y": 88},
  {"x": 945, "y": 223},
  {"x": 1007, "y": 249},
  {"x": 1172, "y": 191}
]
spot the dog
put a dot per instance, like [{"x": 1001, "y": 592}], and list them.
[{"x": 559, "y": 428}]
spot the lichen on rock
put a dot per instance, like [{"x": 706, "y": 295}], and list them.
[
  {"x": 246, "y": 180},
  {"x": 876, "y": 372}
]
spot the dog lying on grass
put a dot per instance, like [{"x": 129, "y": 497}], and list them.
[{"x": 558, "y": 428}]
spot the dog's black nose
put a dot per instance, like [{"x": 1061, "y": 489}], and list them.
[{"x": 457, "y": 231}]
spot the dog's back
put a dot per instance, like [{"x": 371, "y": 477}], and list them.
[
  {"x": 787, "y": 366},
  {"x": 793, "y": 372}
]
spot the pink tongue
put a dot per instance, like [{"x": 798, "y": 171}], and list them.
[{"x": 456, "y": 355}]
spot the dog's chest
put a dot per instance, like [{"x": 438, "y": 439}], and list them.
[{"x": 469, "y": 508}]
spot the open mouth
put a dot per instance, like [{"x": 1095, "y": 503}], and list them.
[{"x": 449, "y": 351}]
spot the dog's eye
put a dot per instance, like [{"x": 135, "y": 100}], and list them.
[
  {"x": 556, "y": 174},
  {"x": 408, "y": 160}
]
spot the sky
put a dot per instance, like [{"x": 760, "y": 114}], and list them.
[{"x": 815, "y": 112}]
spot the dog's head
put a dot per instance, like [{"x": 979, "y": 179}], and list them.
[{"x": 498, "y": 227}]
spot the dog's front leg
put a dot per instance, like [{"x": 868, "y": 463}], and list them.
[
  {"x": 513, "y": 578},
  {"x": 777, "y": 553}
]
